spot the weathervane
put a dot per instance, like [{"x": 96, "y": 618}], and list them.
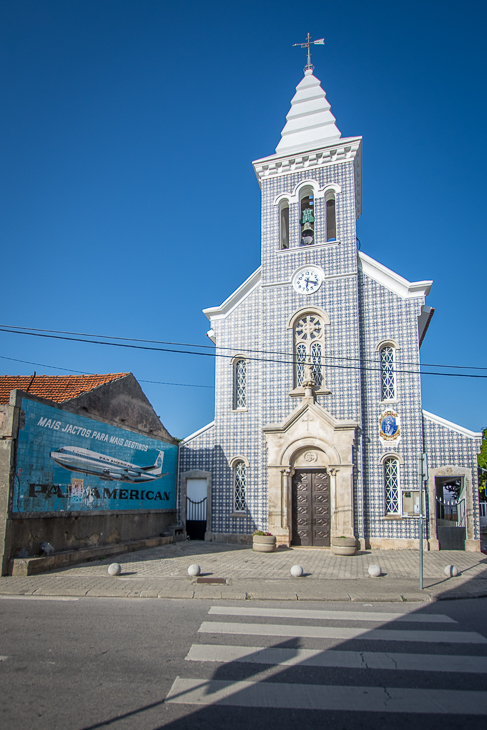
[{"x": 309, "y": 42}]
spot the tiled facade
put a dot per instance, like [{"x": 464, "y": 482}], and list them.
[{"x": 365, "y": 305}]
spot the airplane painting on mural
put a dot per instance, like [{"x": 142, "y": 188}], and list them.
[
  {"x": 106, "y": 467},
  {"x": 69, "y": 462}
]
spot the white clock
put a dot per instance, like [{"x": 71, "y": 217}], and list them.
[{"x": 308, "y": 279}]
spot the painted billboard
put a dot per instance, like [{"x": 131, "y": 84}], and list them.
[{"x": 67, "y": 462}]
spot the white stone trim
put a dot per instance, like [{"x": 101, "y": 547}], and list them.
[
  {"x": 452, "y": 426},
  {"x": 392, "y": 455},
  {"x": 235, "y": 459},
  {"x": 387, "y": 342},
  {"x": 308, "y": 310},
  {"x": 392, "y": 281},
  {"x": 317, "y": 191},
  {"x": 236, "y": 298},
  {"x": 342, "y": 151},
  {"x": 198, "y": 433}
]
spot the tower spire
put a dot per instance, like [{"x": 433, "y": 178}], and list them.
[{"x": 320, "y": 42}]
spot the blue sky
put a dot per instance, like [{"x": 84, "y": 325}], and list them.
[{"x": 129, "y": 202}]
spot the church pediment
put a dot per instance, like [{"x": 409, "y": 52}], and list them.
[{"x": 310, "y": 426}]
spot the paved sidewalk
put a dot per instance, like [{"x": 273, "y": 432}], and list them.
[{"x": 161, "y": 572}]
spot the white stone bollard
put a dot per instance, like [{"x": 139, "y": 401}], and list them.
[
  {"x": 374, "y": 571},
  {"x": 296, "y": 571},
  {"x": 451, "y": 571},
  {"x": 194, "y": 570},
  {"x": 114, "y": 569}
]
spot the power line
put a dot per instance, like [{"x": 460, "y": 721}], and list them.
[
  {"x": 18, "y": 329},
  {"x": 255, "y": 359},
  {"x": 83, "y": 372}
]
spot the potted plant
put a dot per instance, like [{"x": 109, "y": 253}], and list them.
[
  {"x": 263, "y": 542},
  {"x": 343, "y": 545}
]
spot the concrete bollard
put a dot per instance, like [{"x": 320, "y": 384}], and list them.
[
  {"x": 451, "y": 571},
  {"x": 296, "y": 571},
  {"x": 194, "y": 570},
  {"x": 374, "y": 571},
  {"x": 114, "y": 569}
]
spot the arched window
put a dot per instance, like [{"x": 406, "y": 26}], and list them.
[
  {"x": 239, "y": 384},
  {"x": 239, "y": 485},
  {"x": 331, "y": 222},
  {"x": 308, "y": 345},
  {"x": 388, "y": 372},
  {"x": 284, "y": 225},
  {"x": 307, "y": 219},
  {"x": 391, "y": 485}
]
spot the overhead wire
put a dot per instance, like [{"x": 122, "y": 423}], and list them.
[
  {"x": 215, "y": 353},
  {"x": 19, "y": 329}
]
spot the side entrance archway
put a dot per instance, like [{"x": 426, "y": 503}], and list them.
[{"x": 310, "y": 508}]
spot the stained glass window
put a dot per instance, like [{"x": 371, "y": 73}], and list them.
[
  {"x": 388, "y": 374},
  {"x": 391, "y": 481},
  {"x": 240, "y": 385},
  {"x": 240, "y": 479},
  {"x": 308, "y": 338}
]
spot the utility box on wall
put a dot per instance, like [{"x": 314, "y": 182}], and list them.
[{"x": 77, "y": 481}]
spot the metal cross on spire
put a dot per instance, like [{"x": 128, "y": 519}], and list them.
[{"x": 307, "y": 44}]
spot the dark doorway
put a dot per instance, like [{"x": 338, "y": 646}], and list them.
[
  {"x": 450, "y": 513},
  {"x": 195, "y": 519},
  {"x": 196, "y": 507},
  {"x": 311, "y": 508}
]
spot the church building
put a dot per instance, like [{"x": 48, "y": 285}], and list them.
[{"x": 319, "y": 429}]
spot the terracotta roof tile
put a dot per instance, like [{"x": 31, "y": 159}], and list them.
[{"x": 58, "y": 388}]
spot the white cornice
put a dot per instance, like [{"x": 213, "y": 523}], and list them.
[
  {"x": 236, "y": 298},
  {"x": 342, "y": 150},
  {"x": 198, "y": 433},
  {"x": 452, "y": 426},
  {"x": 392, "y": 281}
]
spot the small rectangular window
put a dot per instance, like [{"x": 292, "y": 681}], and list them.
[{"x": 410, "y": 504}]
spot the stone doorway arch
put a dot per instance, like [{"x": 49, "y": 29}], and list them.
[{"x": 311, "y": 438}]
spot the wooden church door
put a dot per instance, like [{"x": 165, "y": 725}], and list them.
[{"x": 311, "y": 508}]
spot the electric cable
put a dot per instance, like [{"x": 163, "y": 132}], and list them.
[
  {"x": 215, "y": 354},
  {"x": 27, "y": 330}
]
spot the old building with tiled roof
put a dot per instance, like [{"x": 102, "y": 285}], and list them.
[
  {"x": 58, "y": 388},
  {"x": 84, "y": 462}
]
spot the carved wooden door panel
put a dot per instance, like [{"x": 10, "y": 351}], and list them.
[{"x": 311, "y": 508}]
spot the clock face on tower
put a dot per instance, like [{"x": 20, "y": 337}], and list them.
[{"x": 307, "y": 280}]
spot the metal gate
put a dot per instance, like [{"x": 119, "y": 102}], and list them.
[
  {"x": 450, "y": 523},
  {"x": 196, "y": 519}
]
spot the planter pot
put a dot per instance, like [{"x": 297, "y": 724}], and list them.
[
  {"x": 344, "y": 545},
  {"x": 264, "y": 543}
]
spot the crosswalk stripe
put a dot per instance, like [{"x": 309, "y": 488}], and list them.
[
  {"x": 322, "y": 615},
  {"x": 318, "y": 697},
  {"x": 337, "y": 659},
  {"x": 333, "y": 632}
]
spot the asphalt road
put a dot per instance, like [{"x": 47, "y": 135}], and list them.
[{"x": 120, "y": 663}]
